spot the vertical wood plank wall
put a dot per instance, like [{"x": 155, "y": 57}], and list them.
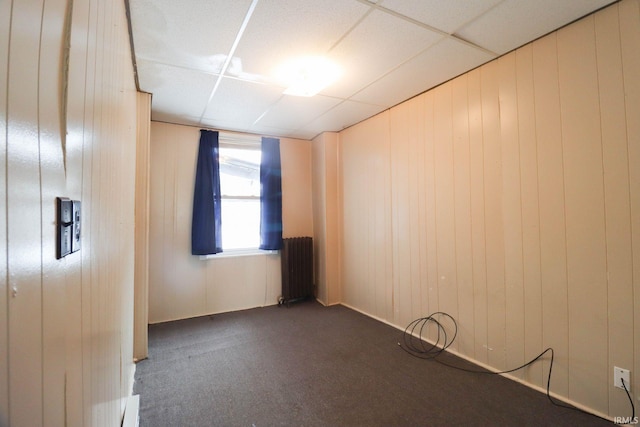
[
  {"x": 326, "y": 218},
  {"x": 180, "y": 284},
  {"x": 66, "y": 331},
  {"x": 509, "y": 198},
  {"x": 141, "y": 292},
  {"x": 5, "y": 31}
]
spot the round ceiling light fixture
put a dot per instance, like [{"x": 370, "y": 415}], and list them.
[{"x": 308, "y": 75}]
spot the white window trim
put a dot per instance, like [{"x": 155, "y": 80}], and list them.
[
  {"x": 252, "y": 142},
  {"x": 237, "y": 140},
  {"x": 234, "y": 253}
]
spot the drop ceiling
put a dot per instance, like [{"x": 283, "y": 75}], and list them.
[{"x": 211, "y": 63}]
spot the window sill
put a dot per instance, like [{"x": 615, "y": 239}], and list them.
[{"x": 234, "y": 253}]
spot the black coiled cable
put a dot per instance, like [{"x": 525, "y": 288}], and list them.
[{"x": 415, "y": 345}]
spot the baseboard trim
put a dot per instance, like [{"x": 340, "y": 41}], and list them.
[{"x": 131, "y": 413}]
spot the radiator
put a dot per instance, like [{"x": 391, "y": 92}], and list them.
[{"x": 296, "y": 257}]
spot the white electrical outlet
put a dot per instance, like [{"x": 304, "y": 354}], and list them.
[{"x": 619, "y": 375}]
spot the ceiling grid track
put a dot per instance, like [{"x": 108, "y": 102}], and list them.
[
  {"x": 191, "y": 55},
  {"x": 243, "y": 27}
]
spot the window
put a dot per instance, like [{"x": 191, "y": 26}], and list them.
[{"x": 240, "y": 188}]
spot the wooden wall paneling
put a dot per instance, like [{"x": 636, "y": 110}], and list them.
[
  {"x": 365, "y": 292},
  {"x": 319, "y": 192},
  {"x": 551, "y": 209},
  {"x": 401, "y": 211},
  {"x": 157, "y": 157},
  {"x": 297, "y": 211},
  {"x": 332, "y": 223},
  {"x": 24, "y": 219},
  {"x": 345, "y": 151},
  {"x": 101, "y": 282},
  {"x": 379, "y": 223},
  {"x": 74, "y": 152},
  {"x": 445, "y": 203},
  {"x": 172, "y": 302},
  {"x": 273, "y": 280},
  {"x": 125, "y": 125},
  {"x": 528, "y": 166},
  {"x": 366, "y": 184},
  {"x": 141, "y": 296},
  {"x": 5, "y": 20},
  {"x": 340, "y": 223},
  {"x": 362, "y": 288},
  {"x": 235, "y": 292},
  {"x": 90, "y": 134},
  {"x": 493, "y": 215},
  {"x": 212, "y": 292},
  {"x": 383, "y": 225},
  {"x": 173, "y": 161},
  {"x": 398, "y": 155},
  {"x": 415, "y": 128},
  {"x": 245, "y": 283},
  {"x": 535, "y": 170},
  {"x": 97, "y": 351},
  {"x": 239, "y": 282},
  {"x": 353, "y": 179},
  {"x": 256, "y": 283},
  {"x": 431, "y": 285},
  {"x": 242, "y": 284},
  {"x": 323, "y": 215},
  {"x": 462, "y": 201},
  {"x": 369, "y": 288},
  {"x": 217, "y": 295},
  {"x": 83, "y": 345},
  {"x": 629, "y": 16},
  {"x": 52, "y": 172},
  {"x": 616, "y": 200},
  {"x": 420, "y": 155},
  {"x": 476, "y": 172},
  {"x": 410, "y": 119},
  {"x": 158, "y": 232},
  {"x": 186, "y": 282},
  {"x": 323, "y": 193},
  {"x": 190, "y": 270},
  {"x": 512, "y": 213},
  {"x": 585, "y": 225}
]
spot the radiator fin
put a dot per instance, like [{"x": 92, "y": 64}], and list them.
[{"x": 297, "y": 268}]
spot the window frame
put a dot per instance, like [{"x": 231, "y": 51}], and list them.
[{"x": 248, "y": 142}]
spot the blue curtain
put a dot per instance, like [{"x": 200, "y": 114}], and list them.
[
  {"x": 270, "y": 195},
  {"x": 206, "y": 235}
]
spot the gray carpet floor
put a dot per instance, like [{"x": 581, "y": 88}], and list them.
[{"x": 309, "y": 365}]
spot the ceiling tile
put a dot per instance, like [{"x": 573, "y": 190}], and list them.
[
  {"x": 342, "y": 116},
  {"x": 194, "y": 33},
  {"x": 241, "y": 102},
  {"x": 175, "y": 90},
  {"x": 446, "y": 16},
  {"x": 159, "y": 116},
  {"x": 291, "y": 112},
  {"x": 514, "y": 23},
  {"x": 281, "y": 132},
  {"x": 379, "y": 44},
  {"x": 436, "y": 65},
  {"x": 281, "y": 30},
  {"x": 386, "y": 49}
]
